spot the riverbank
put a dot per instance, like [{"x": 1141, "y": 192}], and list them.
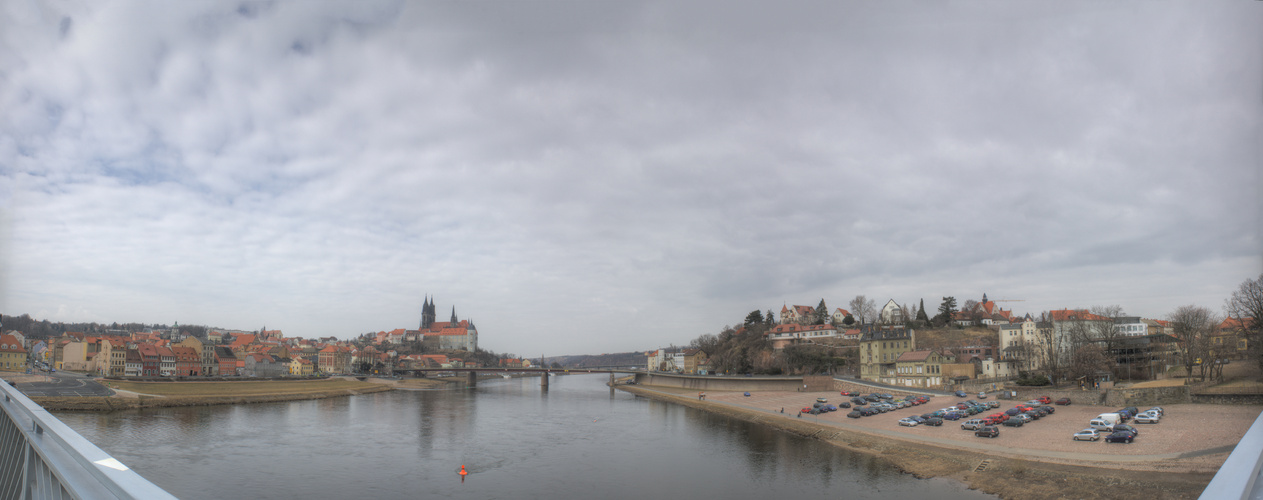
[
  {"x": 133, "y": 395},
  {"x": 1009, "y": 474}
]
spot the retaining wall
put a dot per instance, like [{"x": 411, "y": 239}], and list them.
[{"x": 709, "y": 383}]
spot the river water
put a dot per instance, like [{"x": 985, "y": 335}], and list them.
[{"x": 576, "y": 440}]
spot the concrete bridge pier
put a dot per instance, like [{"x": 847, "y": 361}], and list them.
[
  {"x": 473, "y": 379},
  {"x": 543, "y": 379},
  {"x": 611, "y": 379}
]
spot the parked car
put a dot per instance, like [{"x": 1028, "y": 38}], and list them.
[
  {"x": 1013, "y": 422},
  {"x": 973, "y": 424},
  {"x": 822, "y": 400},
  {"x": 830, "y": 408},
  {"x": 961, "y": 394},
  {"x": 1088, "y": 434},
  {"x": 855, "y": 414},
  {"x": 1120, "y": 437},
  {"x": 1159, "y": 409},
  {"x": 1044, "y": 399},
  {"x": 989, "y": 431},
  {"x": 1147, "y": 418},
  {"x": 844, "y": 404},
  {"x": 935, "y": 421},
  {"x": 1026, "y": 419},
  {"x": 1048, "y": 409},
  {"x": 1034, "y": 403},
  {"x": 1012, "y": 411},
  {"x": 1127, "y": 428},
  {"x": 849, "y": 393},
  {"x": 993, "y": 404},
  {"x": 982, "y": 395},
  {"x": 1033, "y": 415},
  {"x": 908, "y": 422},
  {"x": 1063, "y": 401},
  {"x": 806, "y": 410}
]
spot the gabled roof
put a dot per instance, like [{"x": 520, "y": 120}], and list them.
[{"x": 914, "y": 356}]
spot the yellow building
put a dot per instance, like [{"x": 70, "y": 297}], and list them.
[
  {"x": 300, "y": 366},
  {"x": 12, "y": 354},
  {"x": 880, "y": 348}
]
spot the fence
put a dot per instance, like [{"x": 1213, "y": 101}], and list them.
[{"x": 42, "y": 458}]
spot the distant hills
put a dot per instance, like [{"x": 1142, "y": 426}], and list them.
[{"x": 592, "y": 360}]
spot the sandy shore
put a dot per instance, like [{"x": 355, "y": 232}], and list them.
[{"x": 1173, "y": 459}]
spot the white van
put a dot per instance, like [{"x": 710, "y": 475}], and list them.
[
  {"x": 1101, "y": 425},
  {"x": 1113, "y": 418}
]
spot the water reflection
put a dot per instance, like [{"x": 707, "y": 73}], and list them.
[{"x": 516, "y": 440}]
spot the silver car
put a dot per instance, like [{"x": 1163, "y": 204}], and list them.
[
  {"x": 1088, "y": 434},
  {"x": 1148, "y": 418}
]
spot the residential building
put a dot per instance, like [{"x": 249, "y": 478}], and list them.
[
  {"x": 188, "y": 361},
  {"x": 919, "y": 369},
  {"x": 839, "y": 316},
  {"x": 166, "y": 361},
  {"x": 693, "y": 358},
  {"x": 1130, "y": 326},
  {"x": 797, "y": 314},
  {"x": 12, "y": 354},
  {"x": 301, "y": 367},
  {"x": 206, "y": 351},
  {"x": 112, "y": 360},
  {"x": 132, "y": 363},
  {"x": 880, "y": 349},
  {"x": 226, "y": 361},
  {"x": 793, "y": 333},
  {"x": 891, "y": 314}
]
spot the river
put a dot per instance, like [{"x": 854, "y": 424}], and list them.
[{"x": 576, "y": 440}]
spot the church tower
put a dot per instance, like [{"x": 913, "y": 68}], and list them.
[
  {"x": 427, "y": 313},
  {"x": 454, "y": 322}
]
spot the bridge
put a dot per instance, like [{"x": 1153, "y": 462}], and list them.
[
  {"x": 43, "y": 458},
  {"x": 472, "y": 377}
]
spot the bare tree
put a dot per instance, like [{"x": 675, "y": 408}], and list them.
[
  {"x": 863, "y": 308},
  {"x": 1103, "y": 331},
  {"x": 1192, "y": 326},
  {"x": 973, "y": 311},
  {"x": 1246, "y": 308},
  {"x": 1053, "y": 349}
]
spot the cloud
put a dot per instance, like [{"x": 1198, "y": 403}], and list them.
[{"x": 618, "y": 177}]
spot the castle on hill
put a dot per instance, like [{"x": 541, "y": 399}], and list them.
[{"x": 453, "y": 334}]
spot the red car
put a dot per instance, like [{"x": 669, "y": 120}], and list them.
[
  {"x": 1045, "y": 399},
  {"x": 849, "y": 393},
  {"x": 998, "y": 417},
  {"x": 805, "y": 410}
]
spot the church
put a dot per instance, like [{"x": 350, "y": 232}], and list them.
[{"x": 446, "y": 335}]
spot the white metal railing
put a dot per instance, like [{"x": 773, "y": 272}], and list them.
[
  {"x": 43, "y": 458},
  {"x": 1238, "y": 477}
]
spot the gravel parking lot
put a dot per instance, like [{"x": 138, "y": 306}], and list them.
[{"x": 1186, "y": 430}]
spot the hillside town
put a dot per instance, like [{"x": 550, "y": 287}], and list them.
[
  {"x": 178, "y": 352},
  {"x": 904, "y": 345}
]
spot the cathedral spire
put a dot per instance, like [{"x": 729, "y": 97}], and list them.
[{"x": 454, "y": 322}]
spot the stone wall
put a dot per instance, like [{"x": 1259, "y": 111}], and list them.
[
  {"x": 710, "y": 383},
  {"x": 1147, "y": 397},
  {"x": 1227, "y": 399}
]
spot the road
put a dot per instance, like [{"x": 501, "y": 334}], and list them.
[{"x": 62, "y": 384}]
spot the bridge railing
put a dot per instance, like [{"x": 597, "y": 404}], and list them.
[
  {"x": 1239, "y": 476},
  {"x": 43, "y": 458}
]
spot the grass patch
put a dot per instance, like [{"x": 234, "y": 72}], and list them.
[{"x": 243, "y": 388}]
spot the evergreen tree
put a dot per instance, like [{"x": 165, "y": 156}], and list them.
[
  {"x": 848, "y": 320},
  {"x": 921, "y": 316},
  {"x": 770, "y": 318},
  {"x": 946, "y": 310},
  {"x": 755, "y": 317},
  {"x": 822, "y": 313}
]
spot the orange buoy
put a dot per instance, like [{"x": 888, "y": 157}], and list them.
[{"x": 462, "y": 470}]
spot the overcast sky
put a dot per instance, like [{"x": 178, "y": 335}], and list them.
[{"x": 589, "y": 177}]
